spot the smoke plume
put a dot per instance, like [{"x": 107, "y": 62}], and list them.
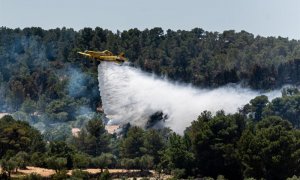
[{"x": 131, "y": 96}]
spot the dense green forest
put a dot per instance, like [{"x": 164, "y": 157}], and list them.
[
  {"x": 253, "y": 143},
  {"x": 38, "y": 64},
  {"x": 42, "y": 75},
  {"x": 44, "y": 83}
]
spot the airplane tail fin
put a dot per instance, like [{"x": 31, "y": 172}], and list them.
[{"x": 122, "y": 54}]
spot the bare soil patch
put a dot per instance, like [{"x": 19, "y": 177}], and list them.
[{"x": 115, "y": 173}]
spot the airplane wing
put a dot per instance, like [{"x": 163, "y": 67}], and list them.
[{"x": 107, "y": 52}]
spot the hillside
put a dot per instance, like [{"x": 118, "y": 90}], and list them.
[
  {"x": 37, "y": 64},
  {"x": 44, "y": 82}
]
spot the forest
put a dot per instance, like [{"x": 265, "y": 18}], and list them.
[{"x": 49, "y": 89}]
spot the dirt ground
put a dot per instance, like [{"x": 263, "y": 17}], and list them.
[
  {"x": 111, "y": 128},
  {"x": 48, "y": 172},
  {"x": 41, "y": 171}
]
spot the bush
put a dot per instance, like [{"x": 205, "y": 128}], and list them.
[
  {"x": 80, "y": 160},
  {"x": 178, "y": 173},
  {"x": 221, "y": 177},
  {"x": 56, "y": 163},
  {"x": 32, "y": 176},
  {"x": 208, "y": 178},
  {"x": 105, "y": 175},
  {"x": 79, "y": 174},
  {"x": 294, "y": 178},
  {"x": 38, "y": 159},
  {"x": 60, "y": 175}
]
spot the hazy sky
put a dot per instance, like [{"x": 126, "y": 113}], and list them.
[{"x": 263, "y": 17}]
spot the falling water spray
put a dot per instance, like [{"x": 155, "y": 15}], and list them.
[{"x": 132, "y": 96}]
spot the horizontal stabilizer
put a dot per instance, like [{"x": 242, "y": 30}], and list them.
[{"x": 85, "y": 54}]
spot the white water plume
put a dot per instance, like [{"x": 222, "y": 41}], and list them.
[{"x": 130, "y": 95}]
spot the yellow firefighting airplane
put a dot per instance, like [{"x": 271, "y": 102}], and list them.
[{"x": 104, "y": 56}]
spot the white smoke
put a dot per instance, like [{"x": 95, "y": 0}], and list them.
[{"x": 130, "y": 95}]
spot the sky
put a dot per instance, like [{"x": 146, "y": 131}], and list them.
[{"x": 260, "y": 17}]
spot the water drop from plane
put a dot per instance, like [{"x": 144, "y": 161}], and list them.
[{"x": 131, "y": 96}]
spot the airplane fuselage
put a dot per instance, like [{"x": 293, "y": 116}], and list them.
[{"x": 104, "y": 56}]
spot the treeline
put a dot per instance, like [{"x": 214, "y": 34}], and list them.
[
  {"x": 33, "y": 60},
  {"x": 43, "y": 80},
  {"x": 37, "y": 66},
  {"x": 254, "y": 143},
  {"x": 286, "y": 107}
]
